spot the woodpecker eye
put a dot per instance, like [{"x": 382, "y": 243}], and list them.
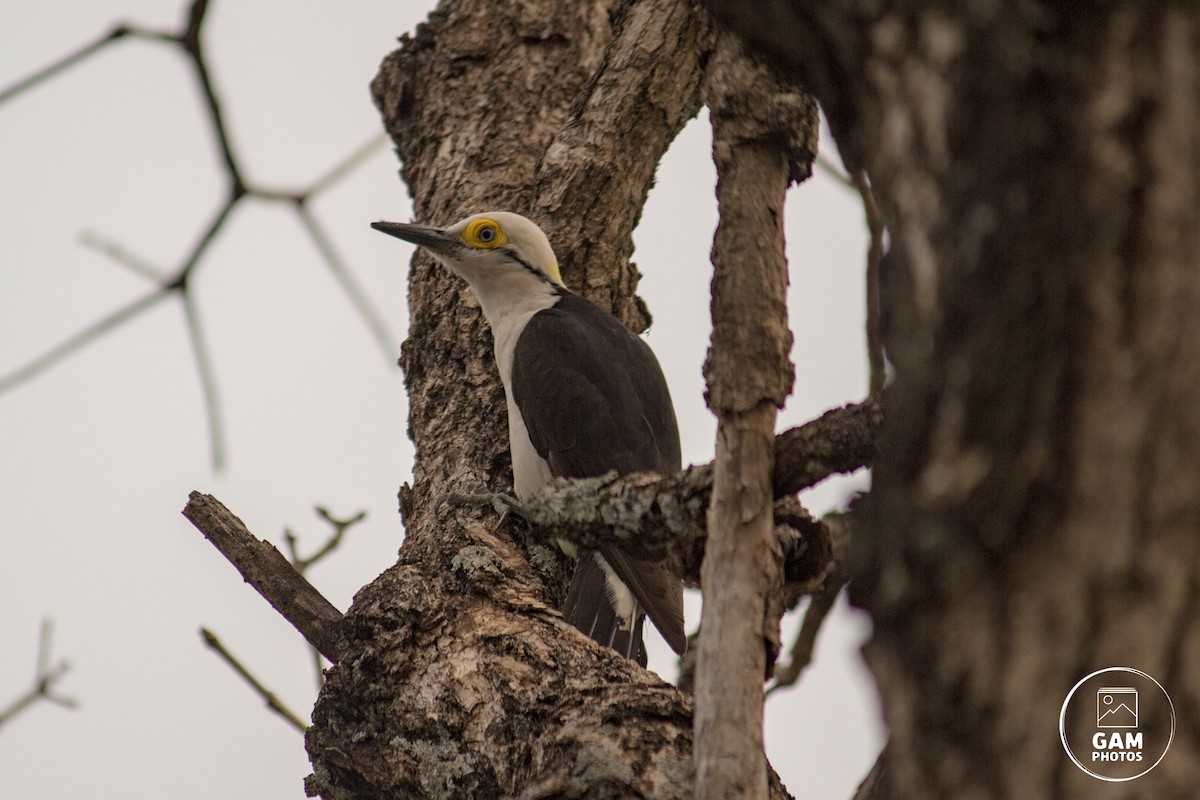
[{"x": 484, "y": 234}]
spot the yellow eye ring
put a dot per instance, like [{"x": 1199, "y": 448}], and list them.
[{"x": 485, "y": 234}]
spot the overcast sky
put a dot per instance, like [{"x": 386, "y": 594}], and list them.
[{"x": 98, "y": 454}]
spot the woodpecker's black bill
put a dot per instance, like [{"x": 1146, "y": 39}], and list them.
[{"x": 433, "y": 239}]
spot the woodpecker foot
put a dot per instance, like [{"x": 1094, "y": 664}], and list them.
[{"x": 476, "y": 494}]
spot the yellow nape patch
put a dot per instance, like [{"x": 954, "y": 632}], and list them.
[{"x": 485, "y": 234}]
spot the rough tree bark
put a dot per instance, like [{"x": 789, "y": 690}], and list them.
[
  {"x": 757, "y": 129},
  {"x": 456, "y": 677},
  {"x": 1035, "y": 513}
]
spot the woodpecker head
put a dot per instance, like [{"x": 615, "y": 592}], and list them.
[{"x": 502, "y": 255}]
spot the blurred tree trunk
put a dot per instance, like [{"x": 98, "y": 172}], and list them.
[
  {"x": 460, "y": 679},
  {"x": 1035, "y": 514}
]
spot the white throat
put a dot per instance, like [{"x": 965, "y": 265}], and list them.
[{"x": 509, "y": 298}]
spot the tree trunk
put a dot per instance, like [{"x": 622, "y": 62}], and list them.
[
  {"x": 1035, "y": 514},
  {"x": 458, "y": 676}
]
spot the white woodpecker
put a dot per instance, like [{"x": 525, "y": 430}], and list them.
[{"x": 585, "y": 396}]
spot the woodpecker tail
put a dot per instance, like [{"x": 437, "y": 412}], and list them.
[{"x": 589, "y": 609}]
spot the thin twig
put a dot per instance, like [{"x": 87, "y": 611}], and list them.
[
  {"x": 208, "y": 382},
  {"x": 823, "y": 600},
  {"x": 200, "y": 354},
  {"x": 831, "y": 169},
  {"x": 801, "y": 653},
  {"x": 118, "y": 253},
  {"x": 189, "y": 38},
  {"x": 291, "y": 541},
  {"x": 86, "y": 336},
  {"x": 319, "y": 664},
  {"x": 340, "y": 526},
  {"x": 206, "y": 239},
  {"x": 294, "y": 556},
  {"x": 118, "y": 32},
  {"x": 45, "y": 676},
  {"x": 358, "y": 297},
  {"x": 272, "y": 700},
  {"x": 877, "y": 229},
  {"x": 347, "y": 165},
  {"x": 66, "y": 62},
  {"x": 192, "y": 43}
]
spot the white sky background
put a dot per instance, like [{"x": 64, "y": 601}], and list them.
[{"x": 98, "y": 454}]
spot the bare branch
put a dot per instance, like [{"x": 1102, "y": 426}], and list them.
[
  {"x": 801, "y": 653},
  {"x": 45, "y": 676},
  {"x": 645, "y": 512},
  {"x": 122, "y": 256},
  {"x": 649, "y": 514},
  {"x": 206, "y": 238},
  {"x": 266, "y": 569},
  {"x": 270, "y": 698},
  {"x": 823, "y": 599},
  {"x": 189, "y": 39},
  {"x": 877, "y": 229},
  {"x": 831, "y": 169},
  {"x": 208, "y": 382},
  {"x": 192, "y": 43},
  {"x": 84, "y": 337},
  {"x": 346, "y": 165},
  {"x": 358, "y": 298},
  {"x": 331, "y": 176},
  {"x": 340, "y": 526},
  {"x": 840, "y": 440},
  {"x": 66, "y": 62},
  {"x": 318, "y": 660}
]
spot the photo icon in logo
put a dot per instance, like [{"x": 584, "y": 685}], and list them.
[
  {"x": 1116, "y": 707},
  {"x": 1122, "y": 734}
]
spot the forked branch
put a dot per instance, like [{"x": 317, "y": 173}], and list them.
[{"x": 45, "y": 678}]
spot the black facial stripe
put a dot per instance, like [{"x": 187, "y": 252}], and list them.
[{"x": 508, "y": 251}]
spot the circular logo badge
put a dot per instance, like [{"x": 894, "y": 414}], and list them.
[{"x": 1117, "y": 724}]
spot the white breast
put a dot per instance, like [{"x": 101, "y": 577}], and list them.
[
  {"x": 530, "y": 470},
  {"x": 508, "y": 309}
]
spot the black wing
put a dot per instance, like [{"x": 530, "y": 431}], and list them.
[
  {"x": 592, "y": 394},
  {"x": 594, "y": 399}
]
